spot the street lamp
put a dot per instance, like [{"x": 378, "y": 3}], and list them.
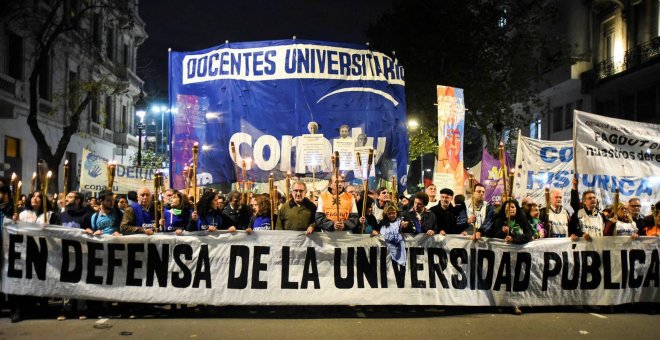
[
  {"x": 140, "y": 127},
  {"x": 413, "y": 124}
]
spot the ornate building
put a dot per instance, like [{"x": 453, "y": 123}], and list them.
[
  {"x": 95, "y": 52},
  {"x": 615, "y": 50}
]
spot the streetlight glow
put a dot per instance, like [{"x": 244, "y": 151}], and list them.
[{"x": 413, "y": 124}]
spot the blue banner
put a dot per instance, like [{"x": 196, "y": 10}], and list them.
[{"x": 262, "y": 96}]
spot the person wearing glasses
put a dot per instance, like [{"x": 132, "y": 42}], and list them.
[
  {"x": 621, "y": 224},
  {"x": 641, "y": 221},
  {"x": 478, "y": 214},
  {"x": 139, "y": 217},
  {"x": 298, "y": 214},
  {"x": 587, "y": 220},
  {"x": 383, "y": 196}
]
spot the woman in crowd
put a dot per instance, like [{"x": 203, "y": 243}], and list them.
[
  {"x": 177, "y": 216},
  {"x": 260, "y": 214},
  {"x": 369, "y": 223},
  {"x": 122, "y": 202},
  {"x": 532, "y": 213},
  {"x": 34, "y": 211},
  {"x": 512, "y": 226},
  {"x": 392, "y": 227},
  {"x": 621, "y": 224},
  {"x": 210, "y": 212}
]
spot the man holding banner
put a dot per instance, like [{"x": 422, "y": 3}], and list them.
[
  {"x": 139, "y": 217},
  {"x": 332, "y": 203},
  {"x": 556, "y": 219},
  {"x": 587, "y": 221},
  {"x": 478, "y": 214}
]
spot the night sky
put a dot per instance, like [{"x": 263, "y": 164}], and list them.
[{"x": 197, "y": 24}]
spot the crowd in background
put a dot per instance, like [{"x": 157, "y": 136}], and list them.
[{"x": 341, "y": 208}]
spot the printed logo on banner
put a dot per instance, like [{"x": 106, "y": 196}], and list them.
[{"x": 93, "y": 165}]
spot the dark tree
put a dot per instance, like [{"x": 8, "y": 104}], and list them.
[{"x": 496, "y": 50}]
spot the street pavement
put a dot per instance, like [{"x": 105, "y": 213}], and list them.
[{"x": 633, "y": 322}]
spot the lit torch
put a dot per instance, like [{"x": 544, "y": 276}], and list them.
[{"x": 66, "y": 177}]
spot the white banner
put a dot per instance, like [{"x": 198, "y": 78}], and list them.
[
  {"x": 623, "y": 147},
  {"x": 289, "y": 268},
  {"x": 93, "y": 176},
  {"x": 541, "y": 164}
]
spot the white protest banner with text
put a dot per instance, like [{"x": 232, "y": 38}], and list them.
[{"x": 289, "y": 268}]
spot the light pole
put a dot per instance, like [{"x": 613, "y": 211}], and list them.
[
  {"x": 413, "y": 124},
  {"x": 140, "y": 127}
]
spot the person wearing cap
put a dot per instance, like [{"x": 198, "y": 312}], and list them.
[
  {"x": 444, "y": 214},
  {"x": 404, "y": 203}
]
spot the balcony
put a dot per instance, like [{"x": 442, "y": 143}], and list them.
[
  {"x": 126, "y": 74},
  {"x": 126, "y": 139},
  {"x": 634, "y": 57}
]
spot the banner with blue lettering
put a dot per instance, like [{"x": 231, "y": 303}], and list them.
[
  {"x": 541, "y": 164},
  {"x": 264, "y": 97}
]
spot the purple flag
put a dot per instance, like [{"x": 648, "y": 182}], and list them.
[{"x": 491, "y": 175}]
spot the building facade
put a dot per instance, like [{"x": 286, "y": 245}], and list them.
[
  {"x": 615, "y": 70},
  {"x": 98, "y": 54}
]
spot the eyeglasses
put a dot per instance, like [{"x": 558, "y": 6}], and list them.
[
  {"x": 635, "y": 205},
  {"x": 298, "y": 190}
]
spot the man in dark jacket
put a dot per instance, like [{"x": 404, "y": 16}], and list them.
[
  {"x": 235, "y": 214},
  {"x": 423, "y": 220},
  {"x": 74, "y": 215},
  {"x": 444, "y": 213}
]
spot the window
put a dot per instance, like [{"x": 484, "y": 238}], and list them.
[
  {"x": 125, "y": 56},
  {"x": 535, "y": 129},
  {"x": 13, "y": 155},
  {"x": 73, "y": 91},
  {"x": 12, "y": 147},
  {"x": 608, "y": 39},
  {"x": 94, "y": 106},
  {"x": 107, "y": 119},
  {"x": 557, "y": 117},
  {"x": 45, "y": 79},
  {"x": 110, "y": 44},
  {"x": 14, "y": 65},
  {"x": 96, "y": 30},
  {"x": 124, "y": 119},
  {"x": 568, "y": 116}
]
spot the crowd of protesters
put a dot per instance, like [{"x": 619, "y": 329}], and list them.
[{"x": 340, "y": 208}]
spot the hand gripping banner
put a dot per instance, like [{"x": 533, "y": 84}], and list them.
[{"x": 262, "y": 96}]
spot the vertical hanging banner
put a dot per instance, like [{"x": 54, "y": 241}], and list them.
[
  {"x": 263, "y": 95},
  {"x": 541, "y": 164},
  {"x": 449, "y": 172},
  {"x": 491, "y": 175}
]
